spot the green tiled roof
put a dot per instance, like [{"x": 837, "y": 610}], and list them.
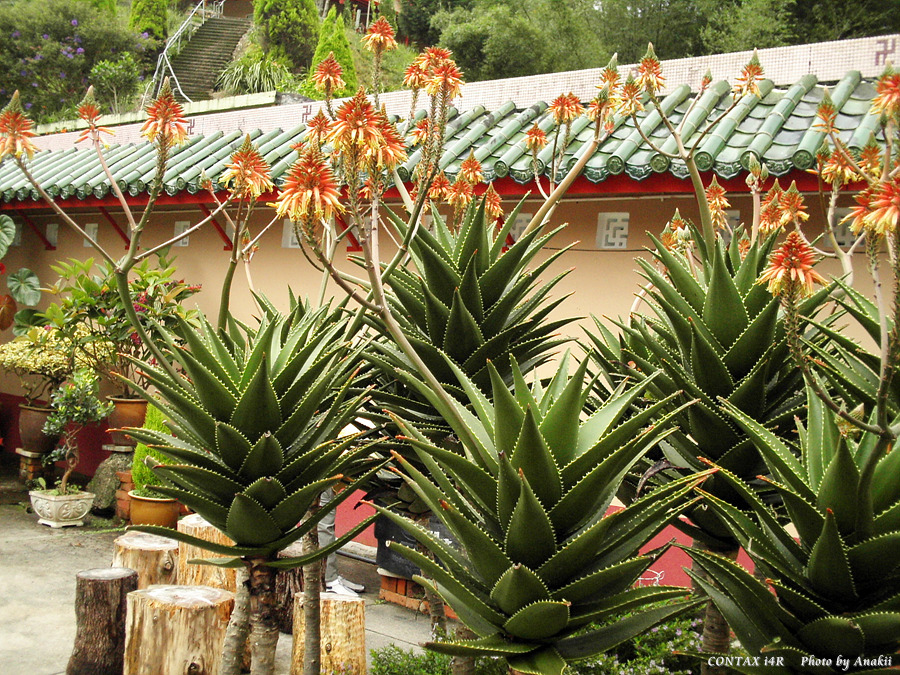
[{"x": 777, "y": 127}]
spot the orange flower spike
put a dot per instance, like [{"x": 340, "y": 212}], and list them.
[
  {"x": 748, "y": 82},
  {"x": 165, "y": 119},
  {"x": 887, "y": 93},
  {"x": 650, "y": 77},
  {"x": 493, "y": 205},
  {"x": 470, "y": 170},
  {"x": 791, "y": 268},
  {"x": 706, "y": 81},
  {"x": 439, "y": 188},
  {"x": 15, "y": 130},
  {"x": 248, "y": 174},
  {"x": 432, "y": 57},
  {"x": 871, "y": 157},
  {"x": 446, "y": 81},
  {"x": 826, "y": 112},
  {"x": 718, "y": 204},
  {"x": 357, "y": 127},
  {"x": 460, "y": 194},
  {"x": 89, "y": 111},
  {"x": 317, "y": 129},
  {"x": 791, "y": 206},
  {"x": 834, "y": 168},
  {"x": 885, "y": 208},
  {"x": 630, "y": 97},
  {"x": 609, "y": 76},
  {"x": 380, "y": 37},
  {"x": 391, "y": 151},
  {"x": 310, "y": 190},
  {"x": 420, "y": 132},
  {"x": 415, "y": 77},
  {"x": 328, "y": 76},
  {"x": 856, "y": 219},
  {"x": 535, "y": 139},
  {"x": 565, "y": 108}
]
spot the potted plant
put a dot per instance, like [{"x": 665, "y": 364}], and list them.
[
  {"x": 24, "y": 287},
  {"x": 41, "y": 359},
  {"x": 149, "y": 506},
  {"x": 88, "y": 297},
  {"x": 72, "y": 406}
]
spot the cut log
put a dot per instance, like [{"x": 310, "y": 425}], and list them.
[
  {"x": 288, "y": 585},
  {"x": 176, "y": 630},
  {"x": 154, "y": 558},
  {"x": 202, "y": 575},
  {"x": 100, "y": 602},
  {"x": 343, "y": 647}
]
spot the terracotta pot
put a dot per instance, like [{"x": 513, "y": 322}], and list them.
[
  {"x": 31, "y": 423},
  {"x": 123, "y": 499},
  {"x": 128, "y": 412},
  {"x": 153, "y": 511}
]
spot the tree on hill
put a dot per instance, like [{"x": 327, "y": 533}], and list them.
[
  {"x": 149, "y": 16},
  {"x": 288, "y": 29},
  {"x": 333, "y": 40}
]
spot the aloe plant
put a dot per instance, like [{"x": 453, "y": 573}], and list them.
[
  {"x": 469, "y": 296},
  {"x": 541, "y": 560},
  {"x": 254, "y": 433},
  {"x": 837, "y": 584},
  {"x": 717, "y": 335}
]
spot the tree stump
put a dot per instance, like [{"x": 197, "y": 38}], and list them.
[
  {"x": 176, "y": 630},
  {"x": 202, "y": 575},
  {"x": 100, "y": 602},
  {"x": 343, "y": 647},
  {"x": 288, "y": 585},
  {"x": 154, "y": 558}
]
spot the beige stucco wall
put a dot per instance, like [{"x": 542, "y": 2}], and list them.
[{"x": 601, "y": 282}]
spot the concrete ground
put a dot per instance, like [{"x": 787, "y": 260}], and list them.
[{"x": 37, "y": 588}]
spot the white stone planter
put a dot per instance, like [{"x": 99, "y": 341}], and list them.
[{"x": 61, "y": 510}]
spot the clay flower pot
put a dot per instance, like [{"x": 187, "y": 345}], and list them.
[
  {"x": 153, "y": 511},
  {"x": 31, "y": 425},
  {"x": 128, "y": 412}
]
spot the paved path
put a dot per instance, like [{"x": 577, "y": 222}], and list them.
[{"x": 37, "y": 591}]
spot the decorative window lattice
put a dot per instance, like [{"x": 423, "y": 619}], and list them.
[
  {"x": 612, "y": 230},
  {"x": 91, "y": 229},
  {"x": 53, "y": 233},
  {"x": 842, "y": 233},
  {"x": 288, "y": 238},
  {"x": 182, "y": 226}
]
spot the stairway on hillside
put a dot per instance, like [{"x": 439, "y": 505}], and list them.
[{"x": 203, "y": 58}]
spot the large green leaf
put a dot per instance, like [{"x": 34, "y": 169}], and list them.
[{"x": 24, "y": 286}]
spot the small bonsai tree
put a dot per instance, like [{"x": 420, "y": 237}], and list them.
[
  {"x": 74, "y": 405},
  {"x": 144, "y": 478}
]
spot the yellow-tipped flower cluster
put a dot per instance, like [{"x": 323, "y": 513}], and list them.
[
  {"x": 380, "y": 37},
  {"x": 310, "y": 191},
  {"x": 790, "y": 268},
  {"x": 877, "y": 209},
  {"x": 15, "y": 130},
  {"x": 248, "y": 174},
  {"x": 165, "y": 120},
  {"x": 328, "y": 77}
]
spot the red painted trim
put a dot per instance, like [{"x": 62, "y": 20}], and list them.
[
  {"x": 222, "y": 233},
  {"x": 614, "y": 186},
  {"x": 116, "y": 227},
  {"x": 353, "y": 245},
  {"x": 30, "y": 223}
]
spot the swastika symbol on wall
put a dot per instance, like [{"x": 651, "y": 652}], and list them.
[
  {"x": 612, "y": 230},
  {"x": 886, "y": 47}
]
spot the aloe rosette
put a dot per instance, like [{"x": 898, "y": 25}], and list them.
[
  {"x": 540, "y": 559},
  {"x": 471, "y": 296},
  {"x": 254, "y": 428},
  {"x": 716, "y": 335},
  {"x": 837, "y": 584}
]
